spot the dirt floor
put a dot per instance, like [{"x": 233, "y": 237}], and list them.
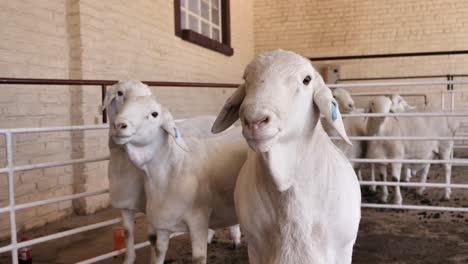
[{"x": 385, "y": 236}]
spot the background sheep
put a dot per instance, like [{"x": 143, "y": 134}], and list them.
[
  {"x": 407, "y": 126},
  {"x": 189, "y": 183},
  {"x": 297, "y": 196}
]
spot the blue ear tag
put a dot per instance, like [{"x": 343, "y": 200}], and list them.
[
  {"x": 176, "y": 133},
  {"x": 333, "y": 111}
]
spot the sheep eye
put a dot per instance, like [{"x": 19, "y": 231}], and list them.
[
  {"x": 334, "y": 97},
  {"x": 119, "y": 93},
  {"x": 155, "y": 114},
  {"x": 307, "y": 80}
]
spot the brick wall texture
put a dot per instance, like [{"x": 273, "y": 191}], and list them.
[
  {"x": 118, "y": 39},
  {"x": 316, "y": 28}
]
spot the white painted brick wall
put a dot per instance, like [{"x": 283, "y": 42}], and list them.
[{"x": 316, "y": 28}]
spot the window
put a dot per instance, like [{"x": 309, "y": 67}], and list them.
[{"x": 205, "y": 23}]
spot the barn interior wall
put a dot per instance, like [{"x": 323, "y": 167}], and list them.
[{"x": 338, "y": 28}]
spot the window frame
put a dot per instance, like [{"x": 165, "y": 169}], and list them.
[{"x": 194, "y": 37}]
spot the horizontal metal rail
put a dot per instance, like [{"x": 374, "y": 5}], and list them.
[
  {"x": 388, "y": 84},
  {"x": 403, "y": 93},
  {"x": 389, "y": 138},
  {"x": 112, "y": 254},
  {"x": 110, "y": 82},
  {"x": 415, "y": 184},
  {"x": 53, "y": 200},
  {"x": 408, "y": 114},
  {"x": 52, "y": 129},
  {"x": 392, "y": 55},
  {"x": 458, "y": 162},
  {"x": 53, "y": 164},
  {"x": 415, "y": 207},
  {"x": 366, "y": 79},
  {"x": 62, "y": 234}
]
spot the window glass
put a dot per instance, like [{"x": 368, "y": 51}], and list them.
[{"x": 193, "y": 23}]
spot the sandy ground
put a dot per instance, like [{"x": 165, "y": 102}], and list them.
[{"x": 385, "y": 236}]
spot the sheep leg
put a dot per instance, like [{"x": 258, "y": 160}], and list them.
[
  {"x": 359, "y": 174},
  {"x": 128, "y": 217},
  {"x": 211, "y": 234},
  {"x": 448, "y": 179},
  {"x": 383, "y": 175},
  {"x": 408, "y": 174},
  {"x": 159, "y": 245},
  {"x": 198, "y": 229},
  {"x": 446, "y": 154},
  {"x": 152, "y": 239},
  {"x": 396, "y": 173},
  {"x": 372, "y": 171},
  {"x": 346, "y": 255},
  {"x": 424, "y": 178},
  {"x": 235, "y": 236}
]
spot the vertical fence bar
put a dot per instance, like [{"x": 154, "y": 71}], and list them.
[
  {"x": 452, "y": 96},
  {"x": 442, "y": 101},
  {"x": 103, "y": 95},
  {"x": 11, "y": 195},
  {"x": 452, "y": 101}
]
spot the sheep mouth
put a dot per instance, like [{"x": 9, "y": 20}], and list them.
[
  {"x": 121, "y": 140},
  {"x": 264, "y": 138},
  {"x": 261, "y": 144}
]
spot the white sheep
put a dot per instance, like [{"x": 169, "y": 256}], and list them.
[
  {"x": 189, "y": 183},
  {"x": 400, "y": 105},
  {"x": 345, "y": 100},
  {"x": 406, "y": 149},
  {"x": 126, "y": 182},
  {"x": 297, "y": 196},
  {"x": 354, "y": 126}
]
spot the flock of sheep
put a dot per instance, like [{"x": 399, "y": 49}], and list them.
[
  {"x": 411, "y": 126},
  {"x": 279, "y": 175}
]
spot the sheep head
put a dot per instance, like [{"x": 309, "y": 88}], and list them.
[
  {"x": 144, "y": 125},
  {"x": 380, "y": 104},
  {"x": 399, "y": 104},
  {"x": 344, "y": 99},
  {"x": 118, "y": 93},
  {"x": 281, "y": 90}
]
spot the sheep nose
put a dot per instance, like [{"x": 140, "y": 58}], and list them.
[
  {"x": 257, "y": 123},
  {"x": 350, "y": 105},
  {"x": 121, "y": 125}
]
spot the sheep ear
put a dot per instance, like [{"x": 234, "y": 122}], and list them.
[
  {"x": 111, "y": 93},
  {"x": 170, "y": 127},
  {"x": 323, "y": 99},
  {"x": 230, "y": 112}
]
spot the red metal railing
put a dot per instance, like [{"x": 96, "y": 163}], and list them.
[{"x": 104, "y": 83}]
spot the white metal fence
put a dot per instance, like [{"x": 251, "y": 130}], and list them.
[{"x": 10, "y": 169}]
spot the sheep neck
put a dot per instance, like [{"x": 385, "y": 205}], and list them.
[
  {"x": 162, "y": 159},
  {"x": 293, "y": 206},
  {"x": 374, "y": 124},
  {"x": 285, "y": 157}
]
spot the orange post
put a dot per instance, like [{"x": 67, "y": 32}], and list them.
[{"x": 119, "y": 238}]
